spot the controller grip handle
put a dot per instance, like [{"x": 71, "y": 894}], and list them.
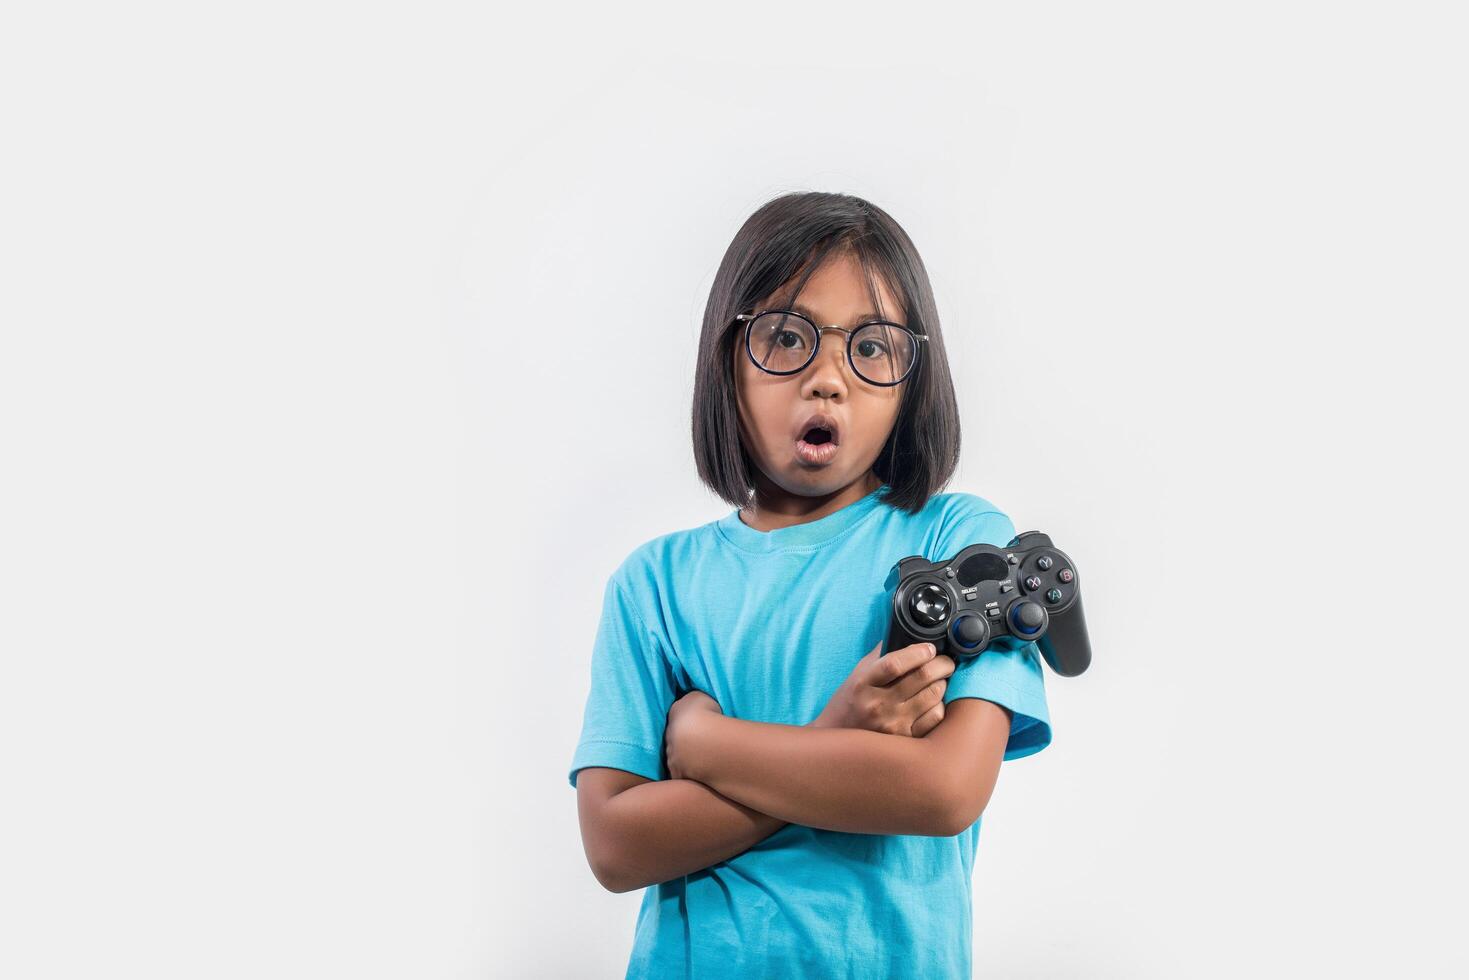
[{"x": 1065, "y": 644}]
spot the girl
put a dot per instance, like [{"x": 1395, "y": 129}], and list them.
[{"x": 794, "y": 807}]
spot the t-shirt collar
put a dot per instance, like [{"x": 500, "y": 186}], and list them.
[{"x": 811, "y": 534}]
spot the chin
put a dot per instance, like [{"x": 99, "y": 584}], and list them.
[{"x": 816, "y": 482}]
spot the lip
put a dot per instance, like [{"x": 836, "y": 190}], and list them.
[{"x": 825, "y": 421}]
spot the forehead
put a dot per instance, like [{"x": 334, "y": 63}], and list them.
[{"x": 840, "y": 291}]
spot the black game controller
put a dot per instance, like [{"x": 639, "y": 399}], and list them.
[{"x": 1027, "y": 590}]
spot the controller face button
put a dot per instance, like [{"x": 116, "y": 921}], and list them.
[
  {"x": 1007, "y": 587},
  {"x": 1053, "y": 596},
  {"x": 929, "y": 604},
  {"x": 1012, "y": 559},
  {"x": 1032, "y": 583},
  {"x": 1066, "y": 575},
  {"x": 1044, "y": 563},
  {"x": 948, "y": 573},
  {"x": 992, "y": 612}
]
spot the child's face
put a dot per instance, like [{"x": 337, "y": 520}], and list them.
[{"x": 773, "y": 409}]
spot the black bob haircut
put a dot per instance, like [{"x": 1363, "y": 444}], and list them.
[{"x": 792, "y": 236}]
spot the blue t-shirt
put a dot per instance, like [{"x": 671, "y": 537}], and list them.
[{"x": 769, "y": 624}]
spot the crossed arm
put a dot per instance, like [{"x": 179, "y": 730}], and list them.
[{"x": 740, "y": 781}]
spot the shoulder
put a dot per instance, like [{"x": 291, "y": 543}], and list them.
[
  {"x": 661, "y": 559},
  {"x": 947, "y": 510},
  {"x": 961, "y": 504},
  {"x": 959, "y": 519}
]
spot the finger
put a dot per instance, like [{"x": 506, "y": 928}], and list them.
[
  {"x": 924, "y": 675},
  {"x": 926, "y": 698},
  {"x": 889, "y": 668},
  {"x": 928, "y": 721}
]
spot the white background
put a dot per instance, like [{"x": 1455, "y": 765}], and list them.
[{"x": 321, "y": 431}]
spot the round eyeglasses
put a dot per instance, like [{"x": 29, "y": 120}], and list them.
[{"x": 784, "y": 342}]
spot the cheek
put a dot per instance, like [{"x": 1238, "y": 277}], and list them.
[
  {"x": 877, "y": 421},
  {"x": 751, "y": 406},
  {"x": 762, "y": 415}
]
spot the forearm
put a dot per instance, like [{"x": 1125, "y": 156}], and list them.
[
  {"x": 664, "y": 829},
  {"x": 843, "y": 779}
]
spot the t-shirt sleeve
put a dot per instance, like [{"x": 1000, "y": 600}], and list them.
[
  {"x": 632, "y": 688},
  {"x": 1008, "y": 672}
]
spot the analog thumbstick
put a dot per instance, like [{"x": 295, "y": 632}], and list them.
[
  {"x": 929, "y": 604},
  {"x": 970, "y": 631},
  {"x": 1027, "y": 618}
]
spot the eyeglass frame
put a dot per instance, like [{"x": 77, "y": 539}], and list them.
[{"x": 750, "y": 319}]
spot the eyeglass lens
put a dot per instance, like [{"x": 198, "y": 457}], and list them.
[{"x": 783, "y": 343}]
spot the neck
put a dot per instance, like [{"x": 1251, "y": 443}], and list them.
[{"x": 775, "y": 508}]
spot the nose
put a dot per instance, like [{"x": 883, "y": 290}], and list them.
[{"x": 827, "y": 376}]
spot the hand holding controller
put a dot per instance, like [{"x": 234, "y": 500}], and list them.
[{"x": 1027, "y": 590}]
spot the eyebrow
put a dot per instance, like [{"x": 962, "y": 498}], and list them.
[{"x": 806, "y": 312}]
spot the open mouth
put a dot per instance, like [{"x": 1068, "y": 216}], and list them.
[
  {"x": 819, "y": 429},
  {"x": 817, "y": 435},
  {"x": 817, "y": 442}
]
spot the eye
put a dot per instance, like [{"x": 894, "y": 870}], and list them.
[
  {"x": 794, "y": 337},
  {"x": 871, "y": 347}
]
